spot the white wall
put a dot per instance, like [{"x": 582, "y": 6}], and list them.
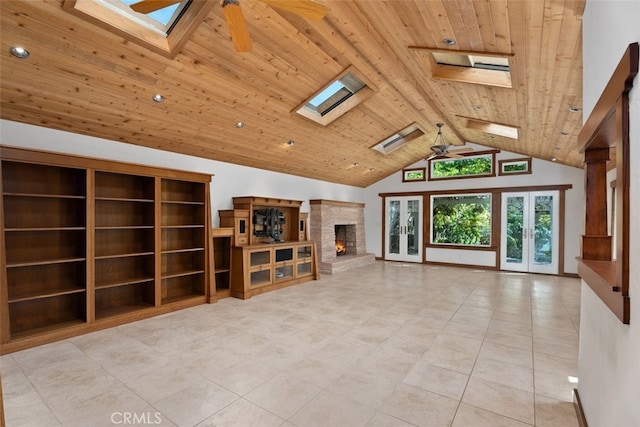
[
  {"x": 544, "y": 173},
  {"x": 609, "y": 358},
  {"x": 229, "y": 180}
]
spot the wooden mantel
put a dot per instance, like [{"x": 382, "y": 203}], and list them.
[{"x": 336, "y": 203}]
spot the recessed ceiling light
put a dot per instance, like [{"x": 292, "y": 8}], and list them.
[
  {"x": 574, "y": 109},
  {"x": 553, "y": 159},
  {"x": 19, "y": 52},
  {"x": 477, "y": 107},
  {"x": 371, "y": 169},
  {"x": 239, "y": 125},
  {"x": 563, "y": 133},
  {"x": 291, "y": 142},
  {"x": 355, "y": 163},
  {"x": 158, "y": 98},
  {"x": 449, "y": 42}
]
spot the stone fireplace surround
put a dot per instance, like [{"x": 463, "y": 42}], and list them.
[{"x": 323, "y": 217}]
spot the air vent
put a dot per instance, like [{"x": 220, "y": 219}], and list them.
[{"x": 398, "y": 139}]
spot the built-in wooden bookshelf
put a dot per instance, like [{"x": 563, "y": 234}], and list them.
[
  {"x": 45, "y": 239},
  {"x": 124, "y": 243},
  {"x": 88, "y": 244},
  {"x": 222, "y": 244}
]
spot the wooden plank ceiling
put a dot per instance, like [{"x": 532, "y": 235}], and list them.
[{"x": 85, "y": 79}]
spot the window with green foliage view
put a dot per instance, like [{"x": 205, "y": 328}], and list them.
[
  {"x": 463, "y": 219},
  {"x": 466, "y": 166}
]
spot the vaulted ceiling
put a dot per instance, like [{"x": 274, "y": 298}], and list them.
[{"x": 83, "y": 78}]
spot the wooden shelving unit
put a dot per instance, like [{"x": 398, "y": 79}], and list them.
[
  {"x": 88, "y": 244},
  {"x": 45, "y": 240},
  {"x": 124, "y": 243},
  {"x": 183, "y": 240},
  {"x": 222, "y": 244}
]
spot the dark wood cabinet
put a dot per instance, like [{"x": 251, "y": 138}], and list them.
[{"x": 89, "y": 243}]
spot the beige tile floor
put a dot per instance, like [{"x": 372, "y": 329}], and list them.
[{"x": 390, "y": 344}]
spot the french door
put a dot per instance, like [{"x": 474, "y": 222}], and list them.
[
  {"x": 403, "y": 228},
  {"x": 530, "y": 232}
]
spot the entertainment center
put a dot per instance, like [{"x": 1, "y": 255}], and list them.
[{"x": 270, "y": 250}]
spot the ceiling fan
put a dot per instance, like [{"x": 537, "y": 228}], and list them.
[
  {"x": 240, "y": 37},
  {"x": 441, "y": 149}
]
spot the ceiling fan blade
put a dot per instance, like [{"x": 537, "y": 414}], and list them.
[
  {"x": 453, "y": 155},
  {"x": 237, "y": 26},
  {"x": 308, "y": 9},
  {"x": 431, "y": 156},
  {"x": 148, "y": 6}
]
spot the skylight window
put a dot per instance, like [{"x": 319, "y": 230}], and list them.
[
  {"x": 472, "y": 61},
  {"x": 490, "y": 69},
  {"x": 493, "y": 128},
  {"x": 164, "y": 31},
  {"x": 162, "y": 19},
  {"x": 336, "y": 98}
]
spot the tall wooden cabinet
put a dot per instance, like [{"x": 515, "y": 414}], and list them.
[
  {"x": 88, "y": 244},
  {"x": 222, "y": 244}
]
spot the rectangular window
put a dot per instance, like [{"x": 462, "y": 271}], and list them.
[
  {"x": 467, "y": 166},
  {"x": 515, "y": 166},
  {"x": 414, "y": 174},
  {"x": 461, "y": 219}
]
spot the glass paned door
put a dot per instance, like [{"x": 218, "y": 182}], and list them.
[
  {"x": 530, "y": 232},
  {"x": 403, "y": 229},
  {"x": 413, "y": 230},
  {"x": 393, "y": 227},
  {"x": 515, "y": 251}
]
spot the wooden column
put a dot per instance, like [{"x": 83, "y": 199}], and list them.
[{"x": 596, "y": 243}]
